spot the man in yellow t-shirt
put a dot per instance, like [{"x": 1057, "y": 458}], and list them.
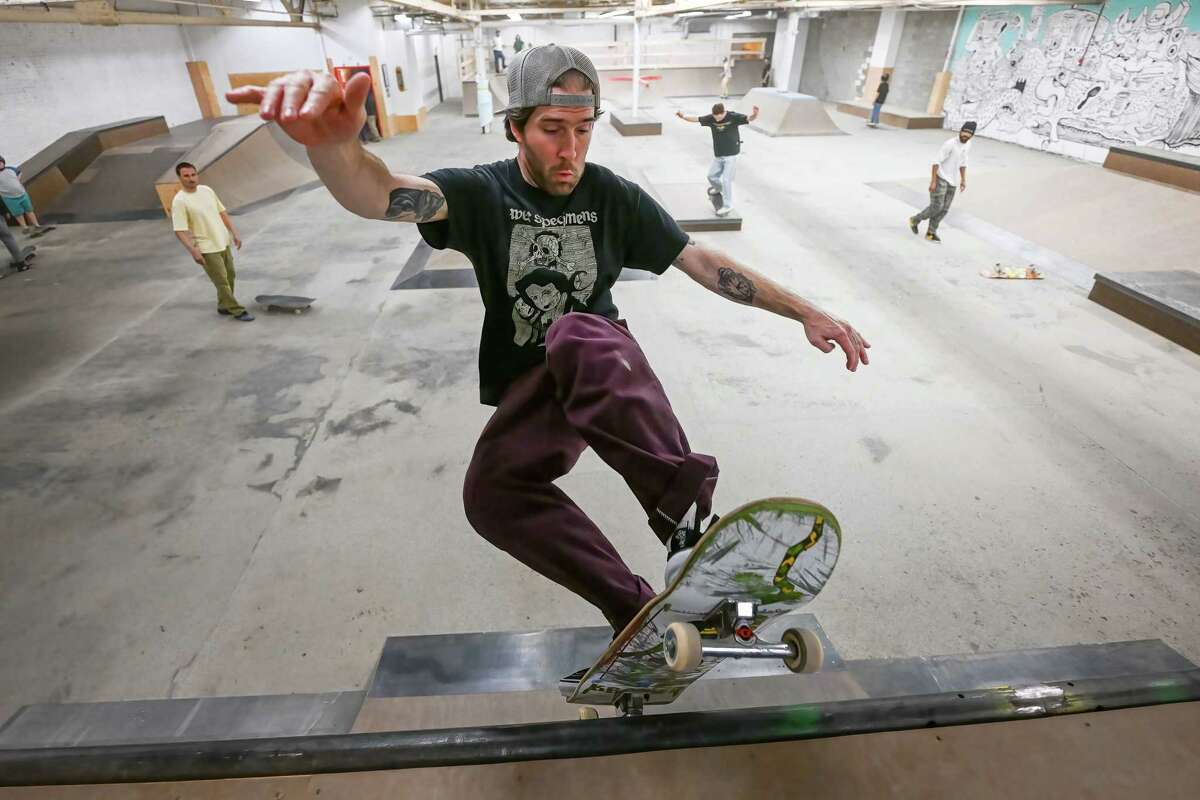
[{"x": 203, "y": 226}]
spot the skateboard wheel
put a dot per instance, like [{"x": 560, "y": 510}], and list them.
[
  {"x": 810, "y": 653},
  {"x": 587, "y": 712},
  {"x": 681, "y": 646}
]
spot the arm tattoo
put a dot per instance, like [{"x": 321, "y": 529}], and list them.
[
  {"x": 413, "y": 205},
  {"x": 735, "y": 285}
]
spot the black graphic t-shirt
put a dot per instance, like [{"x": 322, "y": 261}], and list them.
[
  {"x": 538, "y": 256},
  {"x": 726, "y": 139}
]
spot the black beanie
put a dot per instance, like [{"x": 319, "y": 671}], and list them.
[{"x": 968, "y": 126}]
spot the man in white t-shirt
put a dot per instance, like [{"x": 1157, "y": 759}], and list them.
[
  {"x": 204, "y": 228},
  {"x": 949, "y": 168},
  {"x": 498, "y": 53}
]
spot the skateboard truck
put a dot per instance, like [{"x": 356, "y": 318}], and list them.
[{"x": 684, "y": 646}]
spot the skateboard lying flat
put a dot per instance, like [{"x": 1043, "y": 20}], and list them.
[
  {"x": 764, "y": 559},
  {"x": 42, "y": 231},
  {"x": 1030, "y": 273},
  {"x": 285, "y": 302}
]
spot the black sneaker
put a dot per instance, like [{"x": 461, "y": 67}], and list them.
[
  {"x": 932, "y": 237},
  {"x": 245, "y": 316},
  {"x": 913, "y": 224},
  {"x": 22, "y": 266},
  {"x": 680, "y": 545},
  {"x": 223, "y": 312}
]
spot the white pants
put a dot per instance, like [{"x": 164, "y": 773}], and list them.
[{"x": 720, "y": 176}]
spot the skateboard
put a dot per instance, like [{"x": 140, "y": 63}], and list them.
[
  {"x": 42, "y": 232},
  {"x": 714, "y": 197},
  {"x": 764, "y": 559},
  {"x": 285, "y": 302},
  {"x": 1030, "y": 273}
]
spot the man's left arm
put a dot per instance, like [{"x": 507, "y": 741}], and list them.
[
  {"x": 962, "y": 178},
  {"x": 753, "y": 114},
  {"x": 237, "y": 241},
  {"x": 717, "y": 272}
]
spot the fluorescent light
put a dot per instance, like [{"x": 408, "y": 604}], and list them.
[
  {"x": 616, "y": 13},
  {"x": 515, "y": 16},
  {"x": 691, "y": 14},
  {"x": 739, "y": 15}
]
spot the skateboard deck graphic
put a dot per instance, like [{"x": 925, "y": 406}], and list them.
[
  {"x": 777, "y": 553},
  {"x": 1030, "y": 273},
  {"x": 285, "y": 302}
]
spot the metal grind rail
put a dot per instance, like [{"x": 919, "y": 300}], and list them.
[{"x": 362, "y": 752}]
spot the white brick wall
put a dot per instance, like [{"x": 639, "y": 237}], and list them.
[{"x": 60, "y": 77}]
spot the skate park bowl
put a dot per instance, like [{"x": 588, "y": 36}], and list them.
[
  {"x": 246, "y": 161},
  {"x": 783, "y": 113},
  {"x": 481, "y": 715}
]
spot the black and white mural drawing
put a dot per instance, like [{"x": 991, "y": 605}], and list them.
[{"x": 1075, "y": 81}]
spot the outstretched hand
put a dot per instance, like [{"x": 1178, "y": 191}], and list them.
[
  {"x": 825, "y": 332},
  {"x": 312, "y": 108}
]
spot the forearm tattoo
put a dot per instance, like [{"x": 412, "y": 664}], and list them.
[
  {"x": 413, "y": 205},
  {"x": 735, "y": 285}
]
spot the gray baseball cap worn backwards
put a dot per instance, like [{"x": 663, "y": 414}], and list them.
[{"x": 532, "y": 74}]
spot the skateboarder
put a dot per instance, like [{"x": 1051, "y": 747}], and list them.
[
  {"x": 16, "y": 199},
  {"x": 20, "y": 259},
  {"x": 948, "y": 168},
  {"x": 726, "y": 76},
  {"x": 548, "y": 233},
  {"x": 727, "y": 143},
  {"x": 204, "y": 228},
  {"x": 880, "y": 95}
]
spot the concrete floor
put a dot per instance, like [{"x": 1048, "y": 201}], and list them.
[{"x": 194, "y": 506}]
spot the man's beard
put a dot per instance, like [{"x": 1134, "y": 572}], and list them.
[{"x": 543, "y": 175}]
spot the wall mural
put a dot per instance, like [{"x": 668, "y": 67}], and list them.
[{"x": 1048, "y": 76}]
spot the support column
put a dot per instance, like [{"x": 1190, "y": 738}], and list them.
[
  {"x": 941, "y": 84},
  {"x": 637, "y": 64},
  {"x": 202, "y": 85},
  {"x": 885, "y": 50}
]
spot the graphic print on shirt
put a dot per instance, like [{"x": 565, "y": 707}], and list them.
[{"x": 551, "y": 272}]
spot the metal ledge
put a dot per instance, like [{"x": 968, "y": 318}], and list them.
[{"x": 308, "y": 755}]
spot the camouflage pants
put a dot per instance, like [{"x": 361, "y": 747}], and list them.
[{"x": 939, "y": 204}]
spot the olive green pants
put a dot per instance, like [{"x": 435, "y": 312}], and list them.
[{"x": 219, "y": 267}]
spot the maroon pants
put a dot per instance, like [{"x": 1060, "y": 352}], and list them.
[{"x": 595, "y": 389}]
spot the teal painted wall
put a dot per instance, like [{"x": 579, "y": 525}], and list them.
[{"x": 1071, "y": 81}]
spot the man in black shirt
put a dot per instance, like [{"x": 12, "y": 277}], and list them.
[
  {"x": 548, "y": 234},
  {"x": 727, "y": 143},
  {"x": 880, "y": 96}
]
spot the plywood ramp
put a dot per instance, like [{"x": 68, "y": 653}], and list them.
[
  {"x": 245, "y": 161},
  {"x": 783, "y": 113},
  {"x": 1139, "y": 752}
]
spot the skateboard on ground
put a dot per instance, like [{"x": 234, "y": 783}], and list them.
[
  {"x": 285, "y": 302},
  {"x": 42, "y": 231},
  {"x": 1030, "y": 273},
  {"x": 767, "y": 558}
]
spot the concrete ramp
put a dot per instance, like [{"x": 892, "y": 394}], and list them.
[
  {"x": 783, "y": 113},
  {"x": 246, "y": 161}
]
